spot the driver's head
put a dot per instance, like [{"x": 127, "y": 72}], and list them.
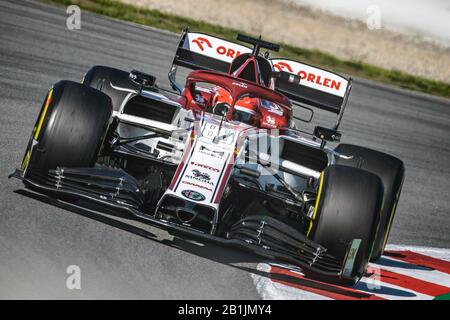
[
  {"x": 245, "y": 110},
  {"x": 245, "y": 115}
]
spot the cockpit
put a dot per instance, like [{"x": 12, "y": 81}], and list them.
[
  {"x": 252, "y": 108},
  {"x": 245, "y": 94}
]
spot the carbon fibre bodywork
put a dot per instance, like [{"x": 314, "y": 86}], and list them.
[{"x": 117, "y": 190}]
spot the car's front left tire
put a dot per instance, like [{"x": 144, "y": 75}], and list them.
[
  {"x": 391, "y": 171},
  {"x": 347, "y": 208}
]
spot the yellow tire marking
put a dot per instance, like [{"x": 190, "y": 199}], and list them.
[
  {"x": 36, "y": 131},
  {"x": 25, "y": 161},
  {"x": 44, "y": 112},
  {"x": 316, "y": 205}
]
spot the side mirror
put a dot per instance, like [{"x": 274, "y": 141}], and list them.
[
  {"x": 142, "y": 79},
  {"x": 327, "y": 134}
]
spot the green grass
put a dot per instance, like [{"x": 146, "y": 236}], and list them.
[{"x": 174, "y": 23}]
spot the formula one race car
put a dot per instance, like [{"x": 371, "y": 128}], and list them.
[{"x": 221, "y": 157}]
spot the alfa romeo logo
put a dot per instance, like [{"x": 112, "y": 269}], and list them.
[{"x": 193, "y": 195}]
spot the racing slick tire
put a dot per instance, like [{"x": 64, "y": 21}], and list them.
[
  {"x": 391, "y": 170},
  {"x": 70, "y": 128},
  {"x": 101, "y": 78},
  {"x": 347, "y": 208}
]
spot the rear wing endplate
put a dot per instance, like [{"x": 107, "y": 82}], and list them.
[{"x": 317, "y": 87}]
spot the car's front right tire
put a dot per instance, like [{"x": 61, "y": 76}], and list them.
[{"x": 70, "y": 128}]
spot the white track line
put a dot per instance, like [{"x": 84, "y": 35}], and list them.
[
  {"x": 273, "y": 290},
  {"x": 270, "y": 290},
  {"x": 438, "y": 253},
  {"x": 389, "y": 291},
  {"x": 394, "y": 265}
]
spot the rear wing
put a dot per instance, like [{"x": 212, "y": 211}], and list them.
[
  {"x": 201, "y": 51},
  {"x": 316, "y": 87}
]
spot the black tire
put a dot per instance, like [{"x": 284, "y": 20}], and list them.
[
  {"x": 100, "y": 78},
  {"x": 348, "y": 206},
  {"x": 70, "y": 128},
  {"x": 391, "y": 170}
]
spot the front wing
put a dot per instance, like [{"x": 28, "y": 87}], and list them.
[{"x": 115, "y": 190}]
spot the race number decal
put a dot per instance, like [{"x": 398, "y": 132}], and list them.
[{"x": 225, "y": 136}]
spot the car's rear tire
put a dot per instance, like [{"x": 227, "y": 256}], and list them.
[
  {"x": 101, "y": 78},
  {"x": 391, "y": 171},
  {"x": 70, "y": 128},
  {"x": 347, "y": 208}
]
